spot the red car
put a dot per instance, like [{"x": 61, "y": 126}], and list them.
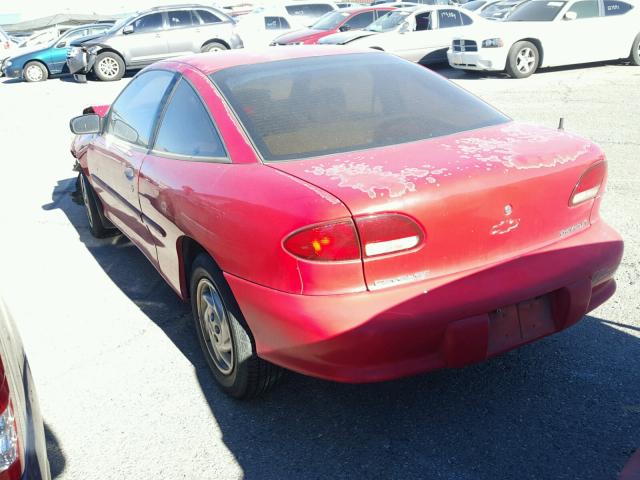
[
  {"x": 343, "y": 20},
  {"x": 345, "y": 213}
]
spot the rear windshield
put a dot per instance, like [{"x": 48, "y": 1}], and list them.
[
  {"x": 300, "y": 108},
  {"x": 536, "y": 11}
]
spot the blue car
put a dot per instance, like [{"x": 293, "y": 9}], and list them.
[{"x": 38, "y": 65}]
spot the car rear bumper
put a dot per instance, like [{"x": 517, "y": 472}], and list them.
[
  {"x": 449, "y": 321},
  {"x": 488, "y": 59}
]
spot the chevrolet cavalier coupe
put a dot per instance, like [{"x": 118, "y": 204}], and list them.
[{"x": 346, "y": 214}]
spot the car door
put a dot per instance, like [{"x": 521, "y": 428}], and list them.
[
  {"x": 58, "y": 53},
  {"x": 620, "y": 22},
  {"x": 188, "y": 151},
  {"x": 147, "y": 43},
  {"x": 411, "y": 40},
  {"x": 115, "y": 157},
  {"x": 576, "y": 41},
  {"x": 181, "y": 32}
]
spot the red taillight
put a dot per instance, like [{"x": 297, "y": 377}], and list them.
[
  {"x": 386, "y": 233},
  {"x": 335, "y": 241},
  {"x": 589, "y": 184},
  {"x": 10, "y": 468}
]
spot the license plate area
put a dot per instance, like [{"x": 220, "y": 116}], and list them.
[{"x": 520, "y": 323}]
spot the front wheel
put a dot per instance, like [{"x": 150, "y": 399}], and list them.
[
  {"x": 35, "y": 72},
  {"x": 224, "y": 336},
  {"x": 109, "y": 67},
  {"x": 635, "y": 52},
  {"x": 523, "y": 60}
]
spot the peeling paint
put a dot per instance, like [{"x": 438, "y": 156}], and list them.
[
  {"x": 374, "y": 180},
  {"x": 505, "y": 226}
]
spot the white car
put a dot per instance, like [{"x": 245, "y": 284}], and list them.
[
  {"x": 547, "y": 33},
  {"x": 258, "y": 28},
  {"x": 421, "y": 34}
]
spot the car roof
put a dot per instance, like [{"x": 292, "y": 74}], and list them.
[
  {"x": 209, "y": 63},
  {"x": 363, "y": 8}
]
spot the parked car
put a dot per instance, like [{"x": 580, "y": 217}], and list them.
[
  {"x": 7, "y": 47},
  {"x": 424, "y": 2},
  {"x": 345, "y": 213},
  {"x": 540, "y": 33},
  {"x": 420, "y": 34},
  {"x": 152, "y": 35},
  {"x": 260, "y": 27},
  {"x": 23, "y": 449},
  {"x": 343, "y": 20},
  {"x": 40, "y": 64}
]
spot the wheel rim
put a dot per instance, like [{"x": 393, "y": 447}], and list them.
[
  {"x": 214, "y": 48},
  {"x": 85, "y": 198},
  {"x": 34, "y": 73},
  {"x": 525, "y": 60},
  {"x": 109, "y": 67},
  {"x": 215, "y": 327}
]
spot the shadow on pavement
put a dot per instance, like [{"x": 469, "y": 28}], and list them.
[
  {"x": 57, "y": 462},
  {"x": 565, "y": 407}
]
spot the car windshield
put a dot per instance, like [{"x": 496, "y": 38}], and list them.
[
  {"x": 121, "y": 23},
  {"x": 474, "y": 5},
  {"x": 536, "y": 11},
  {"x": 498, "y": 10},
  {"x": 301, "y": 108},
  {"x": 388, "y": 22},
  {"x": 330, "y": 21}
]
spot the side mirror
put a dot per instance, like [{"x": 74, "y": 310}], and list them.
[
  {"x": 62, "y": 44},
  {"x": 345, "y": 28},
  {"x": 128, "y": 29},
  {"x": 86, "y": 124},
  {"x": 404, "y": 28},
  {"x": 570, "y": 16}
]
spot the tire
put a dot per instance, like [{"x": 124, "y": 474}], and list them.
[
  {"x": 523, "y": 60},
  {"x": 92, "y": 206},
  {"x": 634, "y": 58},
  {"x": 224, "y": 336},
  {"x": 109, "y": 67},
  {"x": 214, "y": 47},
  {"x": 35, "y": 72}
]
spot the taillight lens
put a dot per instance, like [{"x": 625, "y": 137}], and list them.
[
  {"x": 386, "y": 233},
  {"x": 336, "y": 241},
  {"x": 589, "y": 184},
  {"x": 9, "y": 451}
]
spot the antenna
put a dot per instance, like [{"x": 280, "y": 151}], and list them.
[{"x": 561, "y": 124}]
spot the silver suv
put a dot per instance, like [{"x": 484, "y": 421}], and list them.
[{"x": 152, "y": 35}]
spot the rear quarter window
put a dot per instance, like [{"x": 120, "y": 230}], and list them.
[
  {"x": 613, "y": 7},
  {"x": 301, "y": 108}
]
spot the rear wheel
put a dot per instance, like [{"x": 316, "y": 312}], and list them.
[
  {"x": 96, "y": 226},
  {"x": 35, "y": 72},
  {"x": 109, "y": 66},
  {"x": 523, "y": 60},
  {"x": 214, "y": 47},
  {"x": 224, "y": 335},
  {"x": 635, "y": 52}
]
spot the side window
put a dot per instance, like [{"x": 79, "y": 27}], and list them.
[
  {"x": 148, "y": 23},
  {"x": 318, "y": 10},
  {"x": 423, "y": 21},
  {"x": 181, "y": 18},
  {"x": 187, "y": 128},
  {"x": 360, "y": 21},
  {"x": 134, "y": 112},
  {"x": 466, "y": 19},
  {"x": 284, "y": 23},
  {"x": 586, "y": 9},
  {"x": 613, "y": 7},
  {"x": 208, "y": 17},
  {"x": 450, "y": 18},
  {"x": 272, "y": 23}
]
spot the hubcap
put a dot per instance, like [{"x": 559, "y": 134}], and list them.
[
  {"x": 85, "y": 198},
  {"x": 34, "y": 73},
  {"x": 109, "y": 67},
  {"x": 525, "y": 60},
  {"x": 214, "y": 324}
]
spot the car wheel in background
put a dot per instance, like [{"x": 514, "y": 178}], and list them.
[
  {"x": 224, "y": 335},
  {"x": 523, "y": 60},
  {"x": 214, "y": 47},
  {"x": 109, "y": 66},
  {"x": 635, "y": 52},
  {"x": 35, "y": 72},
  {"x": 91, "y": 206}
]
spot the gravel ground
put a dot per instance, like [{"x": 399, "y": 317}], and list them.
[{"x": 125, "y": 392}]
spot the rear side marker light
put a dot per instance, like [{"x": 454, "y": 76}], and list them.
[
  {"x": 589, "y": 184},
  {"x": 387, "y": 233}
]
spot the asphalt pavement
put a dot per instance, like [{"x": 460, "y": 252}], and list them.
[{"x": 125, "y": 392}]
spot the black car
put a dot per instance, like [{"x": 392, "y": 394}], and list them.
[{"x": 23, "y": 451}]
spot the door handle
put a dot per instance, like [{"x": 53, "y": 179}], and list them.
[{"x": 129, "y": 173}]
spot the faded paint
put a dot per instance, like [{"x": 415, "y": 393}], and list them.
[
  {"x": 318, "y": 191},
  {"x": 505, "y": 226}
]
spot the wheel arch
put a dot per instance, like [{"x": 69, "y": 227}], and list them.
[
  {"x": 216, "y": 40},
  {"x": 40, "y": 61},
  {"x": 187, "y": 250},
  {"x": 538, "y": 45},
  {"x": 110, "y": 50}
]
